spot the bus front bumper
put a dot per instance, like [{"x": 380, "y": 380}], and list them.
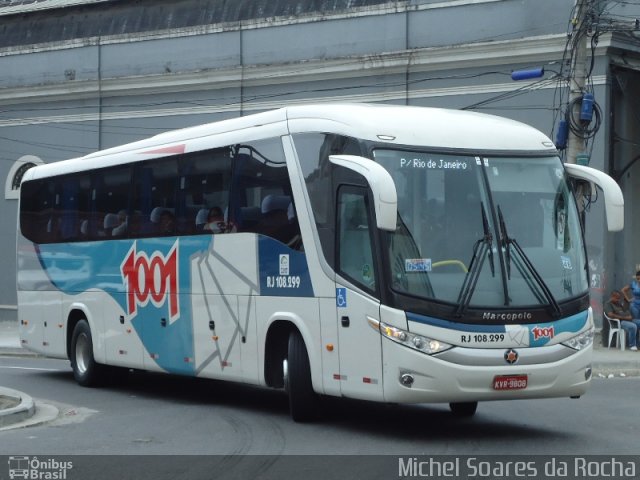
[{"x": 466, "y": 375}]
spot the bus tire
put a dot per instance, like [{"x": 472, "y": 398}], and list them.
[
  {"x": 463, "y": 409},
  {"x": 303, "y": 401},
  {"x": 86, "y": 371}
]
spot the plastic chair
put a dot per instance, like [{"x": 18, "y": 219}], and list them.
[{"x": 616, "y": 327}]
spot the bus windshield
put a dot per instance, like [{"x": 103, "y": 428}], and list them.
[{"x": 484, "y": 232}]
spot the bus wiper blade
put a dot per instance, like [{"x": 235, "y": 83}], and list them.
[
  {"x": 522, "y": 261},
  {"x": 488, "y": 238},
  {"x": 504, "y": 242},
  {"x": 481, "y": 249}
]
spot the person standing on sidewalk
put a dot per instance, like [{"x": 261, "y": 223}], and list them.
[
  {"x": 614, "y": 308},
  {"x": 631, "y": 294}
]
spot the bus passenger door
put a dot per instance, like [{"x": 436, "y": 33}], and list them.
[{"x": 360, "y": 349}]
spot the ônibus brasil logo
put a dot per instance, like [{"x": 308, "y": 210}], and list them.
[{"x": 151, "y": 279}]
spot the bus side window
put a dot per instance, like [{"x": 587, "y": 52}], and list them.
[
  {"x": 110, "y": 199},
  {"x": 36, "y": 212},
  {"x": 205, "y": 179},
  {"x": 261, "y": 197},
  {"x": 355, "y": 256},
  {"x": 313, "y": 151}
]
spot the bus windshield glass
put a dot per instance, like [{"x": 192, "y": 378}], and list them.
[{"x": 484, "y": 232}]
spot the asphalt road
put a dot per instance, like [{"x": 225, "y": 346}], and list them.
[{"x": 157, "y": 414}]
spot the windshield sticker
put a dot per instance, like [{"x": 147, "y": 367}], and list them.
[
  {"x": 478, "y": 161},
  {"x": 560, "y": 227},
  {"x": 433, "y": 164},
  {"x": 417, "y": 265},
  {"x": 566, "y": 262}
]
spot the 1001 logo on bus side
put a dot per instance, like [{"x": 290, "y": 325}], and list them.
[{"x": 151, "y": 279}]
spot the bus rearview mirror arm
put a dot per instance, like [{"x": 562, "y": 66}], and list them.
[
  {"x": 613, "y": 199},
  {"x": 382, "y": 185}
]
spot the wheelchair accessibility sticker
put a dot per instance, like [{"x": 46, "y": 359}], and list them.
[{"x": 341, "y": 297}]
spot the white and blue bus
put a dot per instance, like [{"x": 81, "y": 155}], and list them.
[{"x": 387, "y": 253}]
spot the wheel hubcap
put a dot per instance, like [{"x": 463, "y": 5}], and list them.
[
  {"x": 285, "y": 374},
  {"x": 82, "y": 353}
]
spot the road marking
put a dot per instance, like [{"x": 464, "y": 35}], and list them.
[{"x": 35, "y": 368}]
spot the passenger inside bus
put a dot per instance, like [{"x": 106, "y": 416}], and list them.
[
  {"x": 121, "y": 229},
  {"x": 163, "y": 221},
  {"x": 276, "y": 222},
  {"x": 215, "y": 221},
  {"x": 167, "y": 223}
]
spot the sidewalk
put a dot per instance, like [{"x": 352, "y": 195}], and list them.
[
  {"x": 16, "y": 406},
  {"x": 613, "y": 361}
]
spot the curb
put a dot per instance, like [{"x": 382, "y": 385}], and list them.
[{"x": 23, "y": 409}]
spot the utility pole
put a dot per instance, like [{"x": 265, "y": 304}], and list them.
[{"x": 575, "y": 143}]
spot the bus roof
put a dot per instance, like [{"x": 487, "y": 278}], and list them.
[
  {"x": 396, "y": 125},
  {"x": 423, "y": 126}
]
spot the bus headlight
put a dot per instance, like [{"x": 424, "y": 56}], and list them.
[
  {"x": 411, "y": 340},
  {"x": 580, "y": 341}
]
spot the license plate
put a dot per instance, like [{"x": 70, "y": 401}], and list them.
[{"x": 510, "y": 382}]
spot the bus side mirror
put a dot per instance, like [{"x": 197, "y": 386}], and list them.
[
  {"x": 381, "y": 184},
  {"x": 613, "y": 199}
]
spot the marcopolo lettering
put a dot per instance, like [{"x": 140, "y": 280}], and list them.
[{"x": 507, "y": 316}]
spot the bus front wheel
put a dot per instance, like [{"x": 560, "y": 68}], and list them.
[
  {"x": 85, "y": 369},
  {"x": 303, "y": 401},
  {"x": 463, "y": 409}
]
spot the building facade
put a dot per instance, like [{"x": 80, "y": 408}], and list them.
[{"x": 77, "y": 76}]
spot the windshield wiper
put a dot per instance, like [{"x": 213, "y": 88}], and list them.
[
  {"x": 504, "y": 242},
  {"x": 524, "y": 265},
  {"x": 481, "y": 250}
]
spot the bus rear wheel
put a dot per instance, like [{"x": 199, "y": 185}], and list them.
[
  {"x": 303, "y": 401},
  {"x": 463, "y": 409},
  {"x": 86, "y": 371}
]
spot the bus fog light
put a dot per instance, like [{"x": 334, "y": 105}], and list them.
[{"x": 406, "y": 380}]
